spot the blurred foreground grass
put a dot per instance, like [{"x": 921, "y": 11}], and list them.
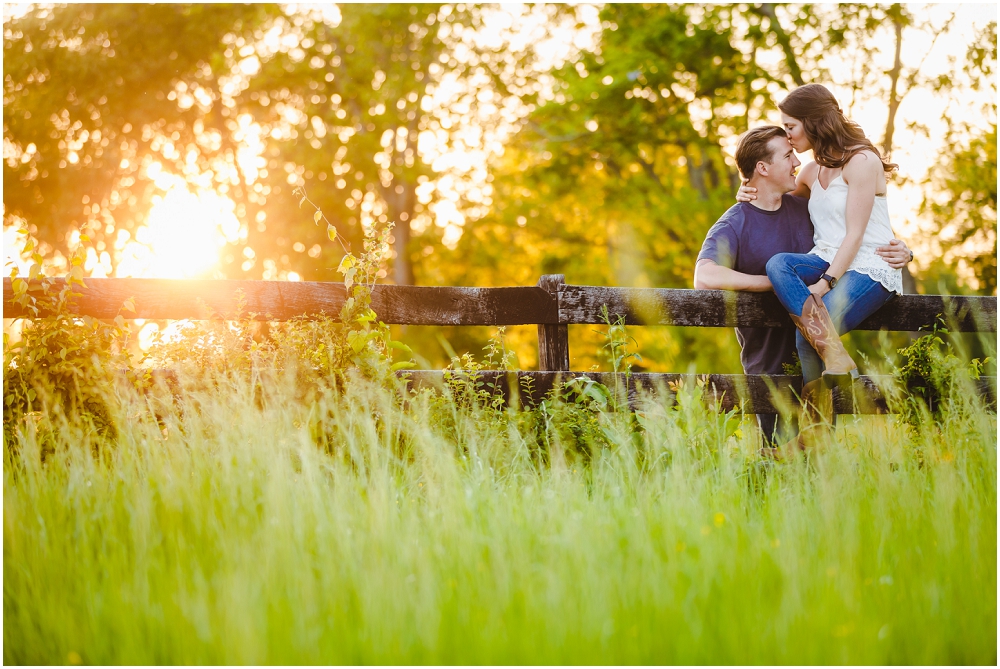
[{"x": 234, "y": 525}]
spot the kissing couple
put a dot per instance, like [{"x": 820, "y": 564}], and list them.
[{"x": 820, "y": 239}]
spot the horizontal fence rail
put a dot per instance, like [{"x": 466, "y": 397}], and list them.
[
  {"x": 283, "y": 300},
  {"x": 719, "y": 308},
  {"x": 553, "y": 304}
]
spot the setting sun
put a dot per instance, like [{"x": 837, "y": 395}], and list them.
[{"x": 183, "y": 236}]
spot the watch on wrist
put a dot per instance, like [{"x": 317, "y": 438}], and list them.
[{"x": 829, "y": 279}]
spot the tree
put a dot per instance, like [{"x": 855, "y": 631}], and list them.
[
  {"x": 961, "y": 190},
  {"x": 94, "y": 94},
  {"x": 343, "y": 109},
  {"x": 342, "y": 103}
]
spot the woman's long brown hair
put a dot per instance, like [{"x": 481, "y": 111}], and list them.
[{"x": 834, "y": 137}]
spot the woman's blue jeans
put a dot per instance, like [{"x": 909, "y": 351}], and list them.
[{"x": 856, "y": 297}]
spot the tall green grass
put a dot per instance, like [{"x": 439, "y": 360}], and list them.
[{"x": 240, "y": 522}]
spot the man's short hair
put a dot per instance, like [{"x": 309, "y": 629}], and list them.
[{"x": 753, "y": 148}]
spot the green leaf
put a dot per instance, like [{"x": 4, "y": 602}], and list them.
[
  {"x": 406, "y": 364},
  {"x": 400, "y": 346},
  {"x": 357, "y": 340}
]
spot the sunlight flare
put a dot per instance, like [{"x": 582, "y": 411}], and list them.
[{"x": 183, "y": 236}]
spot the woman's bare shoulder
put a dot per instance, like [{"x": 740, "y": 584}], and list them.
[
  {"x": 863, "y": 156},
  {"x": 863, "y": 162},
  {"x": 864, "y": 170}
]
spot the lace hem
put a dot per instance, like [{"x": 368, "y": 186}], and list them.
[{"x": 870, "y": 264}]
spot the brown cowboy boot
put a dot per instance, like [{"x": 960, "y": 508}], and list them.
[
  {"x": 815, "y": 420},
  {"x": 817, "y": 327}
]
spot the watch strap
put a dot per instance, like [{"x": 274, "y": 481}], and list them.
[{"x": 829, "y": 279}]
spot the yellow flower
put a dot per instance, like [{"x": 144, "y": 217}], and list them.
[{"x": 720, "y": 519}]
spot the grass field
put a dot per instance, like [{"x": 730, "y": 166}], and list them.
[{"x": 233, "y": 525}]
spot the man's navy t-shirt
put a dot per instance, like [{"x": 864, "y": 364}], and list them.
[{"x": 744, "y": 239}]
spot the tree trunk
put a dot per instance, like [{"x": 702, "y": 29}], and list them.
[
  {"x": 696, "y": 171},
  {"x": 783, "y": 40},
  {"x": 402, "y": 205},
  {"x": 402, "y": 268},
  {"x": 894, "y": 74}
]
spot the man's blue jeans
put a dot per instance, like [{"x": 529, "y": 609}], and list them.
[{"x": 856, "y": 297}]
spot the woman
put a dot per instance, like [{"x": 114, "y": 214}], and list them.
[{"x": 842, "y": 280}]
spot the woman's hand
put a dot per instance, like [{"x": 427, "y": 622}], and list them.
[
  {"x": 746, "y": 193},
  {"x": 895, "y": 254},
  {"x": 820, "y": 288}
]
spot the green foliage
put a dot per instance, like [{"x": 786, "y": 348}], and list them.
[
  {"x": 932, "y": 375},
  {"x": 794, "y": 368},
  {"x": 359, "y": 87},
  {"x": 63, "y": 367},
  {"x": 93, "y": 94},
  {"x": 96, "y": 94},
  {"x": 962, "y": 199},
  {"x": 466, "y": 385},
  {"x": 221, "y": 344}
]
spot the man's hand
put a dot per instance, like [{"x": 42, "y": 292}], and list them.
[
  {"x": 820, "y": 288},
  {"x": 896, "y": 253}
]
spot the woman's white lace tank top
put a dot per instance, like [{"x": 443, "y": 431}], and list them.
[{"x": 828, "y": 211}]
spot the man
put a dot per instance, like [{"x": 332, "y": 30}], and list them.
[{"x": 738, "y": 246}]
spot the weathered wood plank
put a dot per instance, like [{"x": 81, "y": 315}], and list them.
[
  {"x": 717, "y": 308},
  {"x": 964, "y": 313},
  {"x": 754, "y": 393},
  {"x": 281, "y": 300},
  {"x": 553, "y": 340},
  {"x": 671, "y": 306}
]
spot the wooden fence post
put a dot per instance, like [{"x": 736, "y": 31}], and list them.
[{"x": 553, "y": 340}]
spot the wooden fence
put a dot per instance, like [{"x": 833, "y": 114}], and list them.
[{"x": 552, "y": 305}]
